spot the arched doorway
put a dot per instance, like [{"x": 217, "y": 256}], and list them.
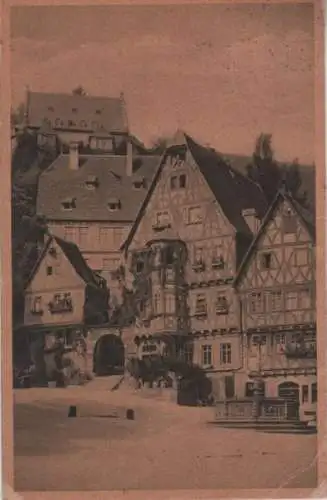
[
  {"x": 109, "y": 355},
  {"x": 289, "y": 391}
]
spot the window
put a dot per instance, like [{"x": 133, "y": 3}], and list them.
[
  {"x": 221, "y": 305},
  {"x": 300, "y": 257},
  {"x": 195, "y": 215},
  {"x": 71, "y": 123},
  {"x": 70, "y": 233},
  {"x": 182, "y": 181},
  {"x": 280, "y": 341},
  {"x": 74, "y": 110},
  {"x": 162, "y": 219},
  {"x": 98, "y": 111},
  {"x": 276, "y": 300},
  {"x": 51, "y": 109},
  {"x": 207, "y": 355},
  {"x": 291, "y": 301},
  {"x": 314, "y": 393},
  {"x": 139, "y": 266},
  {"x": 200, "y": 305},
  {"x": 37, "y": 305},
  {"x": 114, "y": 205},
  {"x": 259, "y": 340},
  {"x": 118, "y": 234},
  {"x": 49, "y": 270},
  {"x": 305, "y": 394},
  {"x": 188, "y": 353},
  {"x": 68, "y": 204},
  {"x": 173, "y": 182},
  {"x": 289, "y": 222},
  {"x": 106, "y": 237},
  {"x": 170, "y": 303},
  {"x": 178, "y": 181},
  {"x": 266, "y": 260},
  {"x": 256, "y": 303},
  {"x": 83, "y": 235},
  {"x": 304, "y": 299},
  {"x": 217, "y": 259},
  {"x": 156, "y": 303},
  {"x": 225, "y": 354}
]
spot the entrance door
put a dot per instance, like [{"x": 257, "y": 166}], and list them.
[
  {"x": 229, "y": 387},
  {"x": 291, "y": 392},
  {"x": 109, "y": 355}
]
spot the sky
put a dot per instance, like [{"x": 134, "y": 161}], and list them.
[{"x": 223, "y": 73}]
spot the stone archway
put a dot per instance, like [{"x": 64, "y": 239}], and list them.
[{"x": 108, "y": 355}]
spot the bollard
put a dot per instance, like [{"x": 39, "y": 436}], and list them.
[
  {"x": 130, "y": 415},
  {"x": 72, "y": 412}
]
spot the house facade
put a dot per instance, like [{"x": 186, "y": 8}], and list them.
[
  {"x": 183, "y": 252},
  {"x": 62, "y": 297},
  {"x": 276, "y": 289}
]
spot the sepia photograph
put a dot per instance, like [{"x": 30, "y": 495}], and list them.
[{"x": 163, "y": 197}]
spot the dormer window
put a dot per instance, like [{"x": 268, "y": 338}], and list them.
[
  {"x": 114, "y": 204},
  {"x": 68, "y": 203},
  {"x": 139, "y": 183},
  {"x": 92, "y": 182}
]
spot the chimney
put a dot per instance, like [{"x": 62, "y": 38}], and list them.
[
  {"x": 129, "y": 158},
  {"x": 251, "y": 218},
  {"x": 73, "y": 155}
]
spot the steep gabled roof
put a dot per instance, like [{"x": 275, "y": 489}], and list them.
[
  {"x": 81, "y": 112},
  {"x": 59, "y": 182},
  {"x": 306, "y": 217},
  {"x": 232, "y": 190},
  {"x": 74, "y": 256}
]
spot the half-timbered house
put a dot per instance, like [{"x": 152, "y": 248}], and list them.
[
  {"x": 183, "y": 251},
  {"x": 276, "y": 288}
]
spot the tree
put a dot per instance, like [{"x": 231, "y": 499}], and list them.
[
  {"x": 272, "y": 175},
  {"x": 79, "y": 90}
]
